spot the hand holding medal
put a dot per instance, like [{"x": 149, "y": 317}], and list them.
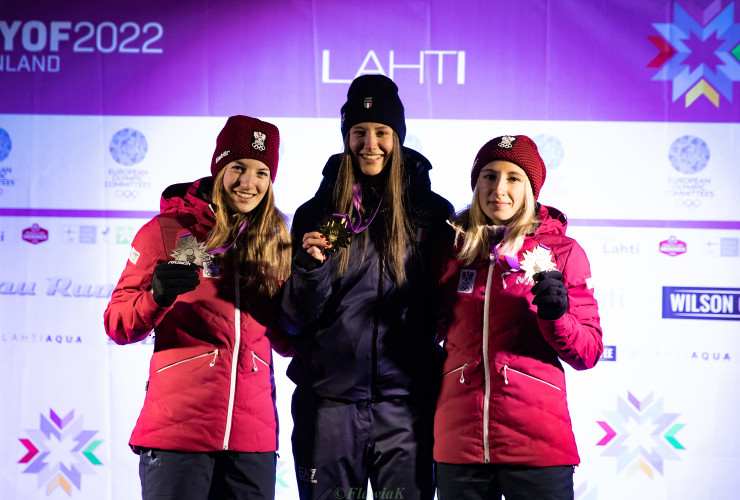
[
  {"x": 336, "y": 233},
  {"x": 338, "y": 230}
]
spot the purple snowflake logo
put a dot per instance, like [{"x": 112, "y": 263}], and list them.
[
  {"x": 60, "y": 451},
  {"x": 640, "y": 435},
  {"x": 699, "y": 52}
]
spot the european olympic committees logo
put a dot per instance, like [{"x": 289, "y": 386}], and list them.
[
  {"x": 60, "y": 451},
  {"x": 640, "y": 435},
  {"x": 699, "y": 52}
]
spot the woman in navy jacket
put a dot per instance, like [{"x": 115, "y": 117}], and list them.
[{"x": 365, "y": 356}]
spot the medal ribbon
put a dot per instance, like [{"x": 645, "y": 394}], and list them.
[
  {"x": 223, "y": 249},
  {"x": 356, "y": 201}
]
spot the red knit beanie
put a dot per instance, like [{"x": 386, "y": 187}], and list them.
[
  {"x": 247, "y": 137},
  {"x": 518, "y": 149}
]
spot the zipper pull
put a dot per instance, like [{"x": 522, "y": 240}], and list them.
[
  {"x": 462, "y": 373},
  {"x": 215, "y": 355},
  {"x": 254, "y": 362},
  {"x": 506, "y": 379}
]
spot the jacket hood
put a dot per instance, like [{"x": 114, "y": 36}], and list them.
[
  {"x": 553, "y": 221},
  {"x": 187, "y": 197},
  {"x": 417, "y": 168}
]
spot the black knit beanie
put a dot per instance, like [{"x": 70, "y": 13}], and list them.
[{"x": 374, "y": 98}]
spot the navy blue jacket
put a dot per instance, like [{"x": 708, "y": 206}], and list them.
[{"x": 359, "y": 336}]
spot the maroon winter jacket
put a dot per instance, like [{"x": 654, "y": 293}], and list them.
[
  {"x": 503, "y": 396},
  {"x": 211, "y": 384}
]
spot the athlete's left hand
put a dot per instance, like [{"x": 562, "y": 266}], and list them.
[{"x": 550, "y": 295}]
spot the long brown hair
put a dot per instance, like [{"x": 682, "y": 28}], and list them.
[
  {"x": 397, "y": 238},
  {"x": 262, "y": 252},
  {"x": 472, "y": 225}
]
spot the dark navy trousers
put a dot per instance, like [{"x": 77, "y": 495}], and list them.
[
  {"x": 339, "y": 447},
  {"x": 490, "y": 481},
  {"x": 222, "y": 475}
]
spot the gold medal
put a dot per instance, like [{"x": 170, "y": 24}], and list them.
[{"x": 335, "y": 231}]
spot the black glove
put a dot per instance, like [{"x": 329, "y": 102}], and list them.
[
  {"x": 550, "y": 295},
  {"x": 306, "y": 260},
  {"x": 171, "y": 279}
]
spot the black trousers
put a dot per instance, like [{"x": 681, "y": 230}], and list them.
[
  {"x": 490, "y": 481},
  {"x": 226, "y": 475},
  {"x": 339, "y": 447}
]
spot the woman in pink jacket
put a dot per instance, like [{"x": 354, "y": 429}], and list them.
[
  {"x": 205, "y": 276},
  {"x": 516, "y": 300}
]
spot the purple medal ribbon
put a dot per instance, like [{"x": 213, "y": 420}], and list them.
[
  {"x": 223, "y": 249},
  {"x": 356, "y": 199}
]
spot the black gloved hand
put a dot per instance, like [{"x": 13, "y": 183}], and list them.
[
  {"x": 304, "y": 260},
  {"x": 550, "y": 295},
  {"x": 171, "y": 279}
]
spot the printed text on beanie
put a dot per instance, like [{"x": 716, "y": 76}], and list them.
[
  {"x": 247, "y": 137},
  {"x": 374, "y": 98},
  {"x": 518, "y": 149}
]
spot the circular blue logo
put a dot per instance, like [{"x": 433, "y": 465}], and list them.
[
  {"x": 689, "y": 154},
  {"x": 551, "y": 150},
  {"x": 5, "y": 144},
  {"x": 128, "y": 147}
]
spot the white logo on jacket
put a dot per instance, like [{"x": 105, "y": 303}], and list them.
[
  {"x": 133, "y": 256},
  {"x": 307, "y": 474},
  {"x": 210, "y": 269},
  {"x": 467, "y": 280}
]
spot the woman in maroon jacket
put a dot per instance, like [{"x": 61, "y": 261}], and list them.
[
  {"x": 516, "y": 299},
  {"x": 204, "y": 275}
]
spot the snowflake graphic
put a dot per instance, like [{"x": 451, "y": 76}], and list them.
[
  {"x": 700, "y": 57},
  {"x": 60, "y": 451},
  {"x": 640, "y": 435}
]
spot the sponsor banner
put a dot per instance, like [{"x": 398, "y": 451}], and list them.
[
  {"x": 610, "y": 353},
  {"x": 664, "y": 61},
  {"x": 701, "y": 303}
]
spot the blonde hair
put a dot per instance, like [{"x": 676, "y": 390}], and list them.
[
  {"x": 397, "y": 236},
  {"x": 263, "y": 251},
  {"x": 473, "y": 225}
]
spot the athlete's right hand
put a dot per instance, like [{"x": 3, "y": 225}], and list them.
[
  {"x": 315, "y": 243},
  {"x": 171, "y": 279}
]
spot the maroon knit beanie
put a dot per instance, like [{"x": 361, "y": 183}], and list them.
[
  {"x": 247, "y": 137},
  {"x": 518, "y": 149}
]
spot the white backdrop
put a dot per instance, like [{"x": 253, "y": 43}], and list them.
[{"x": 679, "y": 372}]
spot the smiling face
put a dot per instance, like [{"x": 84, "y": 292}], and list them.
[
  {"x": 371, "y": 143},
  {"x": 502, "y": 187},
  {"x": 246, "y": 182}
]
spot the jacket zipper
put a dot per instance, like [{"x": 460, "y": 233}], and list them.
[
  {"x": 506, "y": 379},
  {"x": 213, "y": 353},
  {"x": 234, "y": 359},
  {"x": 374, "y": 379},
  {"x": 486, "y": 366},
  {"x": 461, "y": 369},
  {"x": 256, "y": 358}
]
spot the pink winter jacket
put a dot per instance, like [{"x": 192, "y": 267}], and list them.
[
  {"x": 503, "y": 395},
  {"x": 210, "y": 384}
]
